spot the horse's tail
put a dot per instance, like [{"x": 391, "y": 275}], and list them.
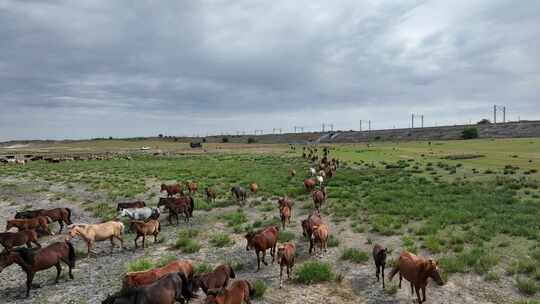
[
  {"x": 121, "y": 228},
  {"x": 71, "y": 256},
  {"x": 69, "y": 222},
  {"x": 394, "y": 271},
  {"x": 187, "y": 287},
  {"x": 251, "y": 289}
]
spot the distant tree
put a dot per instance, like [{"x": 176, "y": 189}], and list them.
[
  {"x": 469, "y": 133},
  {"x": 160, "y": 135},
  {"x": 204, "y": 140},
  {"x": 484, "y": 121},
  {"x": 225, "y": 139},
  {"x": 110, "y": 137},
  {"x": 251, "y": 140}
]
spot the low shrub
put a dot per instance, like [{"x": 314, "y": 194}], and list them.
[
  {"x": 221, "y": 240},
  {"x": 141, "y": 264},
  {"x": 355, "y": 255},
  {"x": 260, "y": 289},
  {"x": 314, "y": 272}
]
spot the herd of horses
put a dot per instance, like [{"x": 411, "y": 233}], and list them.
[{"x": 176, "y": 281}]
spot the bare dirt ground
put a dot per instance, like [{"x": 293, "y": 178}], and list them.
[{"x": 100, "y": 274}]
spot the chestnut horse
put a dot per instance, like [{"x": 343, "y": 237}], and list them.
[
  {"x": 98, "y": 233},
  {"x": 60, "y": 215},
  {"x": 261, "y": 241},
  {"x": 172, "y": 288},
  {"x": 152, "y": 227},
  {"x": 379, "y": 257},
  {"x": 319, "y": 235},
  {"x": 417, "y": 270},
  {"x": 286, "y": 257},
  {"x": 285, "y": 216},
  {"x": 171, "y": 189},
  {"x": 192, "y": 187},
  {"x": 210, "y": 194},
  {"x": 285, "y": 201},
  {"x": 141, "y": 278},
  {"x": 253, "y": 187},
  {"x": 14, "y": 239},
  {"x": 310, "y": 184},
  {"x": 219, "y": 278},
  {"x": 34, "y": 260},
  {"x": 319, "y": 197},
  {"x": 129, "y": 205},
  {"x": 241, "y": 290},
  {"x": 33, "y": 223}
]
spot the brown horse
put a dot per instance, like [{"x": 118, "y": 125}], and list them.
[
  {"x": 191, "y": 187},
  {"x": 141, "y": 278},
  {"x": 14, "y": 239},
  {"x": 219, "y": 278},
  {"x": 171, "y": 189},
  {"x": 27, "y": 224},
  {"x": 210, "y": 194},
  {"x": 152, "y": 227},
  {"x": 319, "y": 197},
  {"x": 417, "y": 270},
  {"x": 240, "y": 290},
  {"x": 307, "y": 224},
  {"x": 286, "y": 257},
  {"x": 285, "y": 201},
  {"x": 239, "y": 193},
  {"x": 253, "y": 187},
  {"x": 262, "y": 241},
  {"x": 34, "y": 260},
  {"x": 98, "y": 233},
  {"x": 172, "y": 288},
  {"x": 310, "y": 183},
  {"x": 176, "y": 206},
  {"x": 379, "y": 257},
  {"x": 285, "y": 216},
  {"x": 60, "y": 215},
  {"x": 128, "y": 205},
  {"x": 319, "y": 235}
]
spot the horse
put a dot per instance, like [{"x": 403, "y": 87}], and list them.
[
  {"x": 138, "y": 214},
  {"x": 171, "y": 189},
  {"x": 210, "y": 194},
  {"x": 191, "y": 187},
  {"x": 310, "y": 183},
  {"x": 284, "y": 201},
  {"x": 417, "y": 270},
  {"x": 219, "y": 278},
  {"x": 286, "y": 257},
  {"x": 261, "y": 241},
  {"x": 142, "y": 278},
  {"x": 253, "y": 187},
  {"x": 239, "y": 193},
  {"x": 60, "y": 215},
  {"x": 292, "y": 173},
  {"x": 307, "y": 224},
  {"x": 285, "y": 216},
  {"x": 240, "y": 290},
  {"x": 319, "y": 197},
  {"x": 34, "y": 260},
  {"x": 152, "y": 227},
  {"x": 130, "y": 205},
  {"x": 14, "y": 239},
  {"x": 312, "y": 171},
  {"x": 379, "y": 257},
  {"x": 319, "y": 235},
  {"x": 92, "y": 233},
  {"x": 183, "y": 204},
  {"x": 320, "y": 180},
  {"x": 169, "y": 289},
  {"x": 33, "y": 223}
]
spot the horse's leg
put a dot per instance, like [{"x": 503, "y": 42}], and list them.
[
  {"x": 258, "y": 261},
  {"x": 310, "y": 245},
  {"x": 29, "y": 279},
  {"x": 418, "y": 294},
  {"x": 89, "y": 245},
  {"x": 382, "y": 273},
  {"x": 136, "y": 238},
  {"x": 424, "y": 293},
  {"x": 112, "y": 243},
  {"x": 412, "y": 289},
  {"x": 28, "y": 244},
  {"x": 281, "y": 275},
  {"x": 61, "y": 223},
  {"x": 377, "y": 272},
  {"x": 143, "y": 239},
  {"x": 400, "y": 278},
  {"x": 263, "y": 256},
  {"x": 58, "y": 271}
]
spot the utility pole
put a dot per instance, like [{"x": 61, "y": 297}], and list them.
[
  {"x": 369, "y": 125},
  {"x": 412, "y": 121},
  {"x": 422, "y": 118},
  {"x": 494, "y": 114},
  {"x": 360, "y": 125}
]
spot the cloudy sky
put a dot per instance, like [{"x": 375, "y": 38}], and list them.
[{"x": 80, "y": 69}]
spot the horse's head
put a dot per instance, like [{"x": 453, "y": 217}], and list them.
[
  {"x": 9, "y": 225},
  {"x": 7, "y": 258},
  {"x": 72, "y": 232},
  {"x": 163, "y": 187},
  {"x": 281, "y": 250},
  {"x": 249, "y": 236},
  {"x": 432, "y": 269}
]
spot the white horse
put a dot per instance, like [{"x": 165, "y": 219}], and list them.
[
  {"x": 320, "y": 179},
  {"x": 139, "y": 214},
  {"x": 312, "y": 171}
]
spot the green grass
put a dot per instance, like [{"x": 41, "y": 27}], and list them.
[
  {"x": 355, "y": 255},
  {"x": 260, "y": 289},
  {"x": 285, "y": 236},
  {"x": 186, "y": 241},
  {"x": 333, "y": 241},
  {"x": 203, "y": 268},
  {"x": 164, "y": 260},
  {"x": 221, "y": 240},
  {"x": 314, "y": 272},
  {"x": 527, "y": 286},
  {"x": 141, "y": 264}
]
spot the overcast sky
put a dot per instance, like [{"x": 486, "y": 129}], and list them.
[{"x": 81, "y": 69}]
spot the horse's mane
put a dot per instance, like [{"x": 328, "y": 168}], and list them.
[{"x": 27, "y": 254}]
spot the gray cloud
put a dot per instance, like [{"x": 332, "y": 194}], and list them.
[{"x": 123, "y": 68}]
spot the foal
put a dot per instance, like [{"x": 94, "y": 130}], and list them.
[
  {"x": 152, "y": 227},
  {"x": 33, "y": 223},
  {"x": 379, "y": 257},
  {"x": 219, "y": 278},
  {"x": 285, "y": 215},
  {"x": 14, "y": 239},
  {"x": 240, "y": 290},
  {"x": 286, "y": 256}
]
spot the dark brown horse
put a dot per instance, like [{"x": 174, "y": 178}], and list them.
[
  {"x": 27, "y": 224},
  {"x": 60, "y": 215},
  {"x": 417, "y": 270},
  {"x": 181, "y": 205},
  {"x": 210, "y": 194},
  {"x": 34, "y": 260},
  {"x": 239, "y": 193},
  {"x": 142, "y": 229},
  {"x": 14, "y": 239},
  {"x": 219, "y": 278},
  {"x": 128, "y": 205},
  {"x": 171, "y": 189},
  {"x": 379, "y": 257},
  {"x": 285, "y": 201},
  {"x": 310, "y": 184},
  {"x": 240, "y": 290},
  {"x": 308, "y": 224},
  {"x": 262, "y": 241},
  {"x": 319, "y": 197},
  {"x": 172, "y": 288}
]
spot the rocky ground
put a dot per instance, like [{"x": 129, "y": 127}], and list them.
[{"x": 100, "y": 274}]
